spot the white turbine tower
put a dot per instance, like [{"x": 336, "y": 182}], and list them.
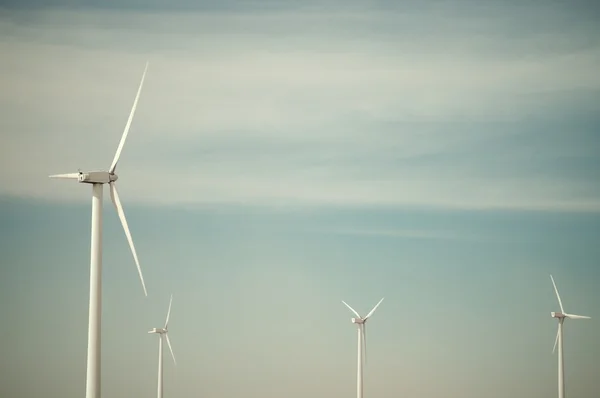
[
  {"x": 559, "y": 339},
  {"x": 362, "y": 344},
  {"x": 98, "y": 179},
  {"x": 163, "y": 332}
]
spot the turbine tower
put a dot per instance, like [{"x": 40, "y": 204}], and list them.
[
  {"x": 561, "y": 316},
  {"x": 97, "y": 179},
  {"x": 163, "y": 332},
  {"x": 362, "y": 344}
]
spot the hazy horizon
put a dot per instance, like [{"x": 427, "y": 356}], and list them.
[{"x": 443, "y": 155}]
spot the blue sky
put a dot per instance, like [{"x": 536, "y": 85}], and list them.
[{"x": 284, "y": 158}]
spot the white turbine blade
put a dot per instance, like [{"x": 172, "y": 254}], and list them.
[
  {"x": 115, "y": 199},
  {"x": 557, "y": 295},
  {"x": 113, "y": 166},
  {"x": 373, "y": 310},
  {"x": 171, "y": 349},
  {"x": 556, "y": 340},
  {"x": 571, "y": 316},
  {"x": 169, "y": 312},
  {"x": 69, "y": 176},
  {"x": 364, "y": 339},
  {"x": 351, "y": 309}
]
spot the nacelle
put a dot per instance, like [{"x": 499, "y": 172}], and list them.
[{"x": 96, "y": 177}]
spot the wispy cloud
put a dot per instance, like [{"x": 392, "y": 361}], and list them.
[{"x": 411, "y": 107}]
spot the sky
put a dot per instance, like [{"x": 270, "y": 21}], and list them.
[{"x": 284, "y": 157}]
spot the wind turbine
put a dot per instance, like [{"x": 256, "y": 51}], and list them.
[
  {"x": 163, "y": 332},
  {"x": 98, "y": 179},
  {"x": 362, "y": 344},
  {"x": 561, "y": 316}
]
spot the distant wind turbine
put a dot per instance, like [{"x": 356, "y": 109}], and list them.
[
  {"x": 98, "y": 179},
  {"x": 362, "y": 344},
  {"x": 559, "y": 339},
  {"x": 163, "y": 333}
]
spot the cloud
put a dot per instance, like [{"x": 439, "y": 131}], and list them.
[{"x": 412, "y": 107}]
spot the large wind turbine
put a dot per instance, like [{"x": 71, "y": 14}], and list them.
[
  {"x": 163, "y": 332},
  {"x": 98, "y": 179},
  {"x": 559, "y": 339},
  {"x": 362, "y": 344}
]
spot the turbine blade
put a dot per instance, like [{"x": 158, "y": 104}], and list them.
[
  {"x": 170, "y": 349},
  {"x": 169, "y": 312},
  {"x": 571, "y": 316},
  {"x": 113, "y": 166},
  {"x": 69, "y": 176},
  {"x": 117, "y": 202},
  {"x": 364, "y": 339},
  {"x": 557, "y": 295},
  {"x": 556, "y": 340},
  {"x": 373, "y": 310},
  {"x": 351, "y": 309}
]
